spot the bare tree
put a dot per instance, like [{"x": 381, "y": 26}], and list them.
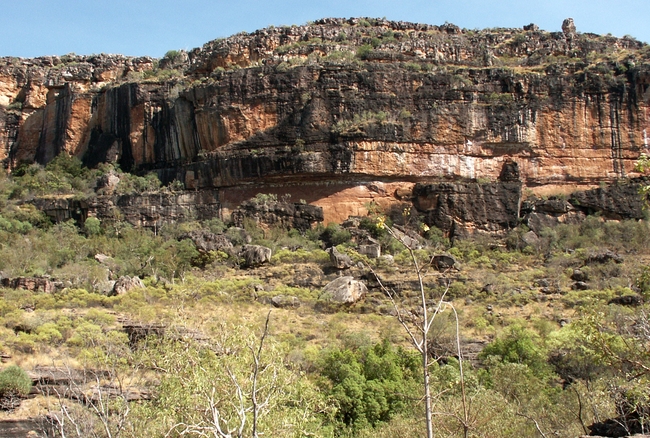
[
  {"x": 418, "y": 325},
  {"x": 88, "y": 403},
  {"x": 249, "y": 404}
]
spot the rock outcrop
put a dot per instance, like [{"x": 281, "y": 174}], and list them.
[
  {"x": 255, "y": 255},
  {"x": 151, "y": 210},
  {"x": 125, "y": 284},
  {"x": 340, "y": 113},
  {"x": 278, "y": 213},
  {"x": 344, "y": 290},
  {"x": 33, "y": 284},
  {"x": 205, "y": 241},
  {"x": 466, "y": 207},
  {"x": 339, "y": 260}
]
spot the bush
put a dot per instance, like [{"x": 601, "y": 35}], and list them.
[
  {"x": 92, "y": 226},
  {"x": 14, "y": 382},
  {"x": 521, "y": 346},
  {"x": 364, "y": 51},
  {"x": 369, "y": 384},
  {"x": 334, "y": 235}
]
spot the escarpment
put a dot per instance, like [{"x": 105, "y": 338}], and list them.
[{"x": 340, "y": 113}]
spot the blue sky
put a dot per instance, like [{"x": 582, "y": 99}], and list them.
[{"x": 31, "y": 28}]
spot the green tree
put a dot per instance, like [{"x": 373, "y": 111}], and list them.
[{"x": 369, "y": 385}]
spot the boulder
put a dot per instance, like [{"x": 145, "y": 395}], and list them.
[
  {"x": 627, "y": 300},
  {"x": 108, "y": 183},
  {"x": 531, "y": 239},
  {"x": 604, "y": 257},
  {"x": 104, "y": 287},
  {"x": 103, "y": 259},
  {"x": 580, "y": 285},
  {"x": 568, "y": 27},
  {"x": 206, "y": 241},
  {"x": 125, "y": 284},
  {"x": 339, "y": 260},
  {"x": 284, "y": 301},
  {"x": 372, "y": 250},
  {"x": 579, "y": 275},
  {"x": 255, "y": 255},
  {"x": 411, "y": 241},
  {"x": 542, "y": 282},
  {"x": 444, "y": 262},
  {"x": 344, "y": 290}
]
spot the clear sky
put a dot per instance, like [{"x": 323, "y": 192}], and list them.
[{"x": 31, "y": 28}]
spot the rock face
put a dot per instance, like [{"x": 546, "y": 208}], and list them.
[
  {"x": 344, "y": 112},
  {"x": 344, "y": 290},
  {"x": 206, "y": 241},
  {"x": 465, "y": 207},
  {"x": 34, "y": 284},
  {"x": 278, "y": 213},
  {"x": 150, "y": 210}
]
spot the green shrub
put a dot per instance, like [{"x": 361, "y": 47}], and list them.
[
  {"x": 364, "y": 51},
  {"x": 92, "y": 226},
  {"x": 518, "y": 345},
  {"x": 371, "y": 384},
  {"x": 335, "y": 235},
  {"x": 14, "y": 381}
]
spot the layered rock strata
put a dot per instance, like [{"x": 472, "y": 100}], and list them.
[
  {"x": 340, "y": 113},
  {"x": 151, "y": 210}
]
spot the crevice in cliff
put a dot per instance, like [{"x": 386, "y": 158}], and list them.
[
  {"x": 53, "y": 133},
  {"x": 615, "y": 134}
]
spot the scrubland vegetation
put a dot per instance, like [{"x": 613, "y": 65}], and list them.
[{"x": 540, "y": 356}]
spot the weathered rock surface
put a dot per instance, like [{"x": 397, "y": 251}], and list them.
[
  {"x": 278, "y": 213},
  {"x": 344, "y": 290},
  {"x": 466, "y": 207},
  {"x": 151, "y": 210},
  {"x": 339, "y": 260},
  {"x": 294, "y": 110},
  {"x": 125, "y": 284},
  {"x": 285, "y": 301},
  {"x": 206, "y": 241},
  {"x": 27, "y": 428},
  {"x": 33, "y": 284},
  {"x": 617, "y": 201},
  {"x": 255, "y": 255}
]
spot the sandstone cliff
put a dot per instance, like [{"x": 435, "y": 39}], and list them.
[{"x": 343, "y": 112}]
